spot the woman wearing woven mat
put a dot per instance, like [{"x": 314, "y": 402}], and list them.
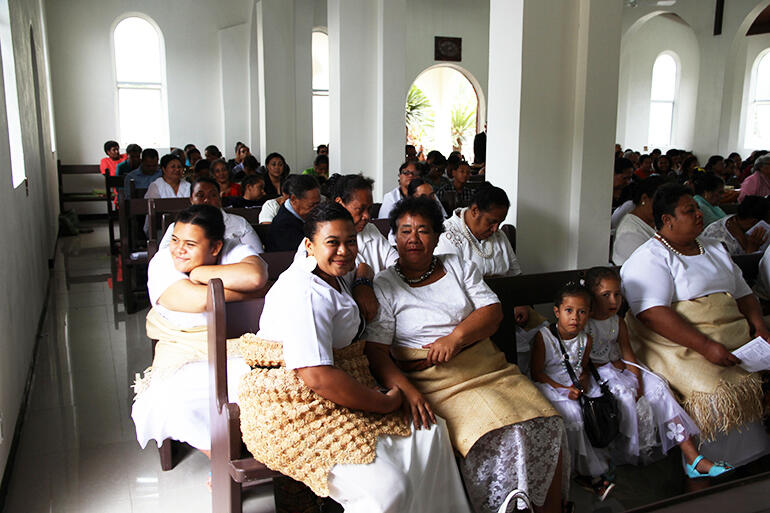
[
  {"x": 435, "y": 319},
  {"x": 690, "y": 307},
  {"x": 310, "y": 408},
  {"x": 172, "y": 399}
]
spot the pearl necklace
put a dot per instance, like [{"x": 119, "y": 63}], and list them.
[
  {"x": 466, "y": 233},
  {"x": 424, "y": 276},
  {"x": 675, "y": 251}
]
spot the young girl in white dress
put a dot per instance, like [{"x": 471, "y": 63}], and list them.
[
  {"x": 613, "y": 356},
  {"x": 572, "y": 308}
]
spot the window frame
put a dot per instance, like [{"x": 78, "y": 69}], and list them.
[
  {"x": 165, "y": 138},
  {"x": 749, "y": 140},
  {"x": 673, "y": 102},
  {"x": 313, "y": 91}
]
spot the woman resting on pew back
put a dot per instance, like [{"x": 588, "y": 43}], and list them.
[{"x": 172, "y": 399}]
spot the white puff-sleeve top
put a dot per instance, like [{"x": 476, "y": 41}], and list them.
[
  {"x": 309, "y": 317},
  {"x": 416, "y": 316},
  {"x": 161, "y": 274},
  {"x": 656, "y": 276}
]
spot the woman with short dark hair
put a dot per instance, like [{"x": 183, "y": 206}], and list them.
[
  {"x": 689, "y": 309},
  {"x": 431, "y": 339}
]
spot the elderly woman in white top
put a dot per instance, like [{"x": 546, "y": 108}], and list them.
[
  {"x": 435, "y": 319},
  {"x": 690, "y": 308},
  {"x": 334, "y": 430},
  {"x": 474, "y": 235},
  {"x": 205, "y": 191},
  {"x": 637, "y": 226},
  {"x": 171, "y": 184},
  {"x": 172, "y": 399},
  {"x": 745, "y": 231}
]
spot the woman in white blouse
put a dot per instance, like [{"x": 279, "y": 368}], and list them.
[
  {"x": 205, "y": 191},
  {"x": 745, "y": 231},
  {"x": 431, "y": 339},
  {"x": 172, "y": 399},
  {"x": 311, "y": 313},
  {"x": 171, "y": 184},
  {"x": 637, "y": 226},
  {"x": 690, "y": 308}
]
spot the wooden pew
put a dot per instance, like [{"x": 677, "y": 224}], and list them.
[
  {"x": 131, "y": 216},
  {"x": 63, "y": 170},
  {"x": 232, "y": 467},
  {"x": 249, "y": 214},
  {"x": 111, "y": 185},
  {"x": 156, "y": 207}
]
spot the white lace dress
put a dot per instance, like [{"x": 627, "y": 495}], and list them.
[
  {"x": 657, "y": 408},
  {"x": 586, "y": 459}
]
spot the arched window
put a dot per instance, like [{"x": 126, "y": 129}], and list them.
[
  {"x": 758, "y": 122},
  {"x": 11, "y": 97},
  {"x": 320, "y": 55},
  {"x": 662, "y": 97},
  {"x": 140, "y": 73}
]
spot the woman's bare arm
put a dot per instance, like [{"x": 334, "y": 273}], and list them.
[
  {"x": 479, "y": 325},
  {"x": 752, "y": 310},
  {"x": 384, "y": 369},
  {"x": 340, "y": 388},
  {"x": 248, "y": 275},
  {"x": 667, "y": 323}
]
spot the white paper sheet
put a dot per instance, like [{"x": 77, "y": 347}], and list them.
[{"x": 755, "y": 355}]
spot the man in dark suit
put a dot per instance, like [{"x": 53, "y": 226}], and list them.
[{"x": 287, "y": 228}]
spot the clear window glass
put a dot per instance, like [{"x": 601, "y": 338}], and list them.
[
  {"x": 662, "y": 98},
  {"x": 758, "y": 120},
  {"x": 18, "y": 172},
  {"x": 139, "y": 73},
  {"x": 320, "y": 60}
]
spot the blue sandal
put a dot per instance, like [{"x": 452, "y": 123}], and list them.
[{"x": 717, "y": 469}]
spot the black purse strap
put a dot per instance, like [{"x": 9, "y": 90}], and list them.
[{"x": 570, "y": 370}]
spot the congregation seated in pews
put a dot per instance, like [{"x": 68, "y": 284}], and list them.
[{"x": 417, "y": 315}]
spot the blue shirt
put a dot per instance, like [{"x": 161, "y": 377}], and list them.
[
  {"x": 291, "y": 209},
  {"x": 141, "y": 180}
]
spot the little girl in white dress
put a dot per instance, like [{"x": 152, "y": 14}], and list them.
[
  {"x": 614, "y": 358},
  {"x": 549, "y": 371}
]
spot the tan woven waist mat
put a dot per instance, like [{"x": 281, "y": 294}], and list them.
[
  {"x": 476, "y": 392},
  {"x": 293, "y": 430},
  {"x": 717, "y": 398}
]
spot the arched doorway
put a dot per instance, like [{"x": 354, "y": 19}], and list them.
[{"x": 443, "y": 111}]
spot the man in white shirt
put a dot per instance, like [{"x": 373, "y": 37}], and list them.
[{"x": 205, "y": 191}]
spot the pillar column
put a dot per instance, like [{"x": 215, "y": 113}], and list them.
[
  {"x": 367, "y": 60},
  {"x": 553, "y": 78}
]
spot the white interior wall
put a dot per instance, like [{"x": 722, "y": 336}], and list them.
[
  {"x": 637, "y": 56},
  {"x": 235, "y": 81},
  {"x": 722, "y": 72},
  {"x": 82, "y": 64},
  {"x": 467, "y": 19},
  {"x": 29, "y": 220}
]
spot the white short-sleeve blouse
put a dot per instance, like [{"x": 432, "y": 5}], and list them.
[
  {"x": 655, "y": 276},
  {"x": 417, "y": 316},
  {"x": 161, "y": 189},
  {"x": 161, "y": 274},
  {"x": 309, "y": 317},
  {"x": 493, "y": 256},
  {"x": 632, "y": 232}
]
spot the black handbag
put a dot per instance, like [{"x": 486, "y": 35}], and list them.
[{"x": 601, "y": 418}]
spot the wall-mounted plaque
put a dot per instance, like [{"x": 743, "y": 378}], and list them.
[{"x": 448, "y": 49}]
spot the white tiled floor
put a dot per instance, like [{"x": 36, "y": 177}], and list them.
[{"x": 78, "y": 450}]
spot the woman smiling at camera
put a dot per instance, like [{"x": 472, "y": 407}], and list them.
[
  {"x": 690, "y": 308},
  {"x": 435, "y": 318},
  {"x": 309, "y": 407},
  {"x": 172, "y": 399}
]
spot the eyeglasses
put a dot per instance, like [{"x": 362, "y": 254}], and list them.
[{"x": 408, "y": 173}]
